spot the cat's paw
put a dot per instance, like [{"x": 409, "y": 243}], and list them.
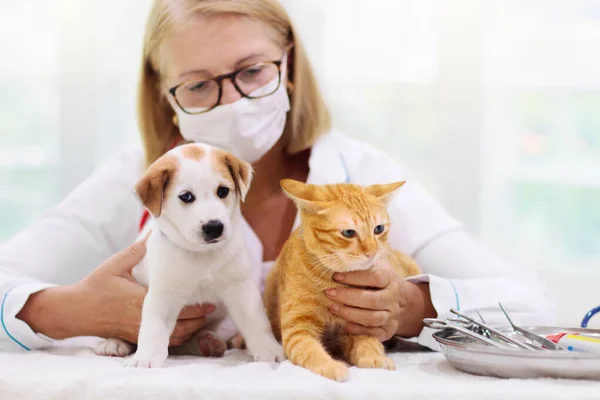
[
  {"x": 210, "y": 345},
  {"x": 113, "y": 348},
  {"x": 336, "y": 370},
  {"x": 376, "y": 361},
  {"x": 145, "y": 362},
  {"x": 270, "y": 351},
  {"x": 237, "y": 342}
]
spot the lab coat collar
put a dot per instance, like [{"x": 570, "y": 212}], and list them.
[{"x": 326, "y": 164}]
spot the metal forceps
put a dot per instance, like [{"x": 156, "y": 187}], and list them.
[
  {"x": 549, "y": 344},
  {"x": 493, "y": 331},
  {"x": 462, "y": 327}
]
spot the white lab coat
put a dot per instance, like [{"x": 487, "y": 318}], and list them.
[{"x": 102, "y": 217}]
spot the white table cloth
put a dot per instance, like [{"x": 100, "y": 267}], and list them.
[{"x": 73, "y": 371}]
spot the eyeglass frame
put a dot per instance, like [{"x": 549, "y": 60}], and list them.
[{"x": 231, "y": 76}]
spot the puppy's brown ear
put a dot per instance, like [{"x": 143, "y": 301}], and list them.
[
  {"x": 241, "y": 174},
  {"x": 153, "y": 187}
]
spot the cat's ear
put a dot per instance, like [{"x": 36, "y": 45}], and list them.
[
  {"x": 304, "y": 195},
  {"x": 384, "y": 192}
]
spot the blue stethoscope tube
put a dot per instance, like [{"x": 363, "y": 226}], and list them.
[{"x": 588, "y": 316}]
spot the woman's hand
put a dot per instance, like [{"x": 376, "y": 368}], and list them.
[
  {"x": 106, "y": 303},
  {"x": 379, "y": 303}
]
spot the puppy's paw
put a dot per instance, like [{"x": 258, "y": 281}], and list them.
[
  {"x": 113, "y": 348},
  {"x": 145, "y": 362},
  {"x": 210, "y": 345},
  {"x": 269, "y": 351},
  {"x": 336, "y": 370},
  {"x": 376, "y": 361}
]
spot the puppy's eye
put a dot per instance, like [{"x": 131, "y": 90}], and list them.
[
  {"x": 222, "y": 192},
  {"x": 379, "y": 229},
  {"x": 349, "y": 233},
  {"x": 187, "y": 197}
]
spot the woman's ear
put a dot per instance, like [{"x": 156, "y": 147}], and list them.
[
  {"x": 289, "y": 69},
  {"x": 384, "y": 193},
  {"x": 304, "y": 195},
  {"x": 152, "y": 188}
]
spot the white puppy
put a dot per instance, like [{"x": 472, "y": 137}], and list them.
[{"x": 196, "y": 253}]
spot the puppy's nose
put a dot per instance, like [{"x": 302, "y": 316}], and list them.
[{"x": 212, "y": 230}]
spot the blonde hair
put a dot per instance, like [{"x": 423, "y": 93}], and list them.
[{"x": 308, "y": 117}]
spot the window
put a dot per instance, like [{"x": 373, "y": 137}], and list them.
[
  {"x": 542, "y": 130},
  {"x": 29, "y": 115},
  {"x": 67, "y": 98}
]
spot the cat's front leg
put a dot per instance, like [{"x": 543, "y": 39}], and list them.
[
  {"x": 301, "y": 331},
  {"x": 365, "y": 352},
  {"x": 245, "y": 306}
]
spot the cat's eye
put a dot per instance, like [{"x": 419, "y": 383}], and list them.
[
  {"x": 222, "y": 192},
  {"x": 187, "y": 197},
  {"x": 379, "y": 229},
  {"x": 349, "y": 233}
]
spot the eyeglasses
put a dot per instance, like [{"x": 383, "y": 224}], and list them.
[{"x": 253, "y": 82}]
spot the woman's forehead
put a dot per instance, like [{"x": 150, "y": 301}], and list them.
[{"x": 217, "y": 45}]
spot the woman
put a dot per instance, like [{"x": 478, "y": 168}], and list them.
[{"x": 234, "y": 74}]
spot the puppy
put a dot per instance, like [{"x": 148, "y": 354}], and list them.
[{"x": 196, "y": 254}]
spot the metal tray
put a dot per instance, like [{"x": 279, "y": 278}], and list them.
[{"x": 467, "y": 355}]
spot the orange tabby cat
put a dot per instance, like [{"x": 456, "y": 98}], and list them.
[{"x": 344, "y": 228}]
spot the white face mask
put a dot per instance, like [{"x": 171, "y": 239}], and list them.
[{"x": 248, "y": 128}]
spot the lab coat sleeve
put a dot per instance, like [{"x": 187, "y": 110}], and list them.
[
  {"x": 461, "y": 272},
  {"x": 96, "y": 220},
  {"x": 464, "y": 275}
]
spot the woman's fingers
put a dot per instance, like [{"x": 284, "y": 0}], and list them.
[
  {"x": 362, "y": 298},
  {"x": 190, "y": 320},
  {"x": 368, "y": 318},
  {"x": 376, "y": 277},
  {"x": 184, "y": 329},
  {"x": 196, "y": 311}
]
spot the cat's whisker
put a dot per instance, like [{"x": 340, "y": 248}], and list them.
[
  {"x": 318, "y": 267},
  {"x": 327, "y": 261},
  {"x": 325, "y": 265},
  {"x": 338, "y": 265},
  {"x": 329, "y": 257},
  {"x": 325, "y": 257}
]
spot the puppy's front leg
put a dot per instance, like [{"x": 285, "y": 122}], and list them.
[
  {"x": 159, "y": 315},
  {"x": 244, "y": 303}
]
